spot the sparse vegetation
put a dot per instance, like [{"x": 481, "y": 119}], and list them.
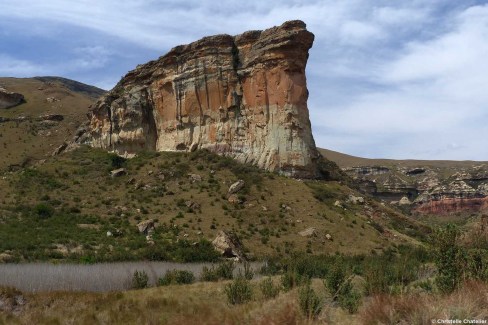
[
  {"x": 177, "y": 277},
  {"x": 268, "y": 289},
  {"x": 239, "y": 291},
  {"x": 310, "y": 303},
  {"x": 139, "y": 280}
]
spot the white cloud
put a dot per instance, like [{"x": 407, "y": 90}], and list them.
[
  {"x": 433, "y": 94},
  {"x": 10, "y": 66},
  {"x": 394, "y": 79}
]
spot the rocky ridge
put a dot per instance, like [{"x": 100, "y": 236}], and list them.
[
  {"x": 427, "y": 189},
  {"x": 242, "y": 96}
]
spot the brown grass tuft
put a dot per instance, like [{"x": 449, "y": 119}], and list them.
[{"x": 468, "y": 302}]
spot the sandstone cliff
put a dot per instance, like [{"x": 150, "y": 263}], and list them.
[
  {"x": 243, "y": 96},
  {"x": 10, "y": 99},
  {"x": 427, "y": 189}
]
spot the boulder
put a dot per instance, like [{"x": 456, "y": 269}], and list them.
[
  {"x": 404, "y": 201},
  {"x": 52, "y": 117},
  {"x": 192, "y": 205},
  {"x": 194, "y": 178},
  {"x": 309, "y": 232},
  {"x": 236, "y": 187},
  {"x": 229, "y": 246},
  {"x": 10, "y": 99},
  {"x": 146, "y": 227},
  {"x": 355, "y": 199},
  {"x": 328, "y": 237},
  {"x": 118, "y": 172},
  {"x": 234, "y": 199}
]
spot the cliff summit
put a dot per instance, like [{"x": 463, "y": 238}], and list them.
[{"x": 242, "y": 96}]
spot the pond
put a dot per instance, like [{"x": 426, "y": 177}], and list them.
[{"x": 102, "y": 277}]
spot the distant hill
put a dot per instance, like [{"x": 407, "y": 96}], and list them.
[
  {"x": 75, "y": 86},
  {"x": 345, "y": 160},
  {"x": 53, "y": 108}
]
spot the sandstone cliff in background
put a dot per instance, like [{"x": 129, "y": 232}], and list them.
[
  {"x": 434, "y": 187},
  {"x": 242, "y": 96}
]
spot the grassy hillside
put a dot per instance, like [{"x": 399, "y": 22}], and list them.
[
  {"x": 26, "y": 134},
  {"x": 64, "y": 208}
]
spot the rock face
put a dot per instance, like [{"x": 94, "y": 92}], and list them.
[
  {"x": 427, "y": 189},
  {"x": 243, "y": 96},
  {"x": 10, "y": 99}
]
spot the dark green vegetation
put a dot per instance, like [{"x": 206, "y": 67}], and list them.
[{"x": 177, "y": 277}]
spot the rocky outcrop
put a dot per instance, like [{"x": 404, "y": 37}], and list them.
[
  {"x": 242, "y": 96},
  {"x": 10, "y": 99},
  {"x": 427, "y": 189},
  {"x": 229, "y": 246}
]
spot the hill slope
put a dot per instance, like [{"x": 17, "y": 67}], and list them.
[
  {"x": 52, "y": 111},
  {"x": 65, "y": 207}
]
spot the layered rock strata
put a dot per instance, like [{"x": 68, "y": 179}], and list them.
[
  {"x": 431, "y": 190},
  {"x": 243, "y": 96}
]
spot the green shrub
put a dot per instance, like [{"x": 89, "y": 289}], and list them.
[
  {"x": 335, "y": 278},
  {"x": 449, "y": 258},
  {"x": 177, "y": 277},
  {"x": 209, "y": 274},
  {"x": 43, "y": 210},
  {"x": 289, "y": 280},
  {"x": 139, "y": 280},
  {"x": 239, "y": 291},
  {"x": 223, "y": 270},
  {"x": 348, "y": 297},
  {"x": 116, "y": 161},
  {"x": 268, "y": 289},
  {"x": 310, "y": 303},
  {"x": 477, "y": 260}
]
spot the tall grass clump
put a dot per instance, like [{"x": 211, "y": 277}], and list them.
[
  {"x": 339, "y": 284},
  {"x": 310, "y": 303},
  {"x": 239, "y": 291},
  {"x": 268, "y": 288}
]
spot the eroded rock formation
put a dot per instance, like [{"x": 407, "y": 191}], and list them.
[
  {"x": 10, "y": 99},
  {"x": 427, "y": 189},
  {"x": 244, "y": 96}
]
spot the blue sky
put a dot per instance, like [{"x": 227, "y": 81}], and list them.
[{"x": 394, "y": 79}]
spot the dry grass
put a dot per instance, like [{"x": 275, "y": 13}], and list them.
[
  {"x": 34, "y": 140},
  {"x": 200, "y": 303},
  {"x": 468, "y": 302}
]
